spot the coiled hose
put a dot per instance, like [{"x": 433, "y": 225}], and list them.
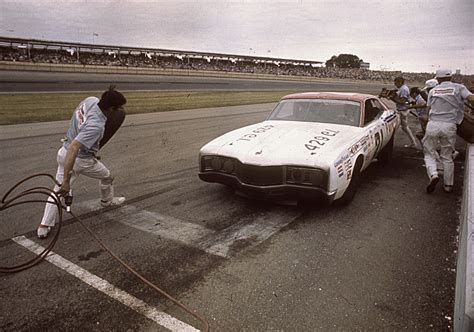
[{"x": 7, "y": 203}]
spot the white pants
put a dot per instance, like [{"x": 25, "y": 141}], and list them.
[
  {"x": 440, "y": 135},
  {"x": 404, "y": 126},
  {"x": 90, "y": 167}
]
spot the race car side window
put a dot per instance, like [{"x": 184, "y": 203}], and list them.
[
  {"x": 379, "y": 105},
  {"x": 373, "y": 111}
]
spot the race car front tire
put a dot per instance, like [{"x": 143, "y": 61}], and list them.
[{"x": 385, "y": 155}]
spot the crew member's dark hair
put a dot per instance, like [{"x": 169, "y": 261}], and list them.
[
  {"x": 415, "y": 90},
  {"x": 399, "y": 78},
  {"x": 111, "y": 98}
]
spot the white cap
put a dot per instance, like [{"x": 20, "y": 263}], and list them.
[
  {"x": 440, "y": 73},
  {"x": 429, "y": 84}
]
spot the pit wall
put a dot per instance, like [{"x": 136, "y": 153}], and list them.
[
  {"x": 464, "y": 305},
  {"x": 99, "y": 69}
]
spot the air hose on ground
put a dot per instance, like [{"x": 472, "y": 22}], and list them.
[{"x": 7, "y": 203}]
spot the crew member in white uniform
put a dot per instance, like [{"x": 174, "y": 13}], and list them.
[
  {"x": 77, "y": 155},
  {"x": 446, "y": 110}
]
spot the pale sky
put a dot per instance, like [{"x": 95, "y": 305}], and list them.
[{"x": 414, "y": 35}]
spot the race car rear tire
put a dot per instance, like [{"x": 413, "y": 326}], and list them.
[
  {"x": 351, "y": 190},
  {"x": 385, "y": 156}
]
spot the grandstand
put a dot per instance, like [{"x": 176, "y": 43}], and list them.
[
  {"x": 55, "y": 52},
  {"x": 18, "y": 49}
]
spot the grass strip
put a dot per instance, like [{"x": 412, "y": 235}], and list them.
[{"x": 42, "y": 107}]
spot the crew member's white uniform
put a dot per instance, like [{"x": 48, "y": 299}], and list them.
[
  {"x": 87, "y": 126},
  {"x": 402, "y": 109},
  {"x": 447, "y": 110}
]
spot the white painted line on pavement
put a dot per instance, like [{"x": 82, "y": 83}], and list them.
[
  {"x": 107, "y": 288},
  {"x": 162, "y": 225},
  {"x": 213, "y": 242}
]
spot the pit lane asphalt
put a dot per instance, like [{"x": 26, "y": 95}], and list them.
[{"x": 384, "y": 262}]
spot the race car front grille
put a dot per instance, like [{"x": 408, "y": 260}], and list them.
[{"x": 260, "y": 175}]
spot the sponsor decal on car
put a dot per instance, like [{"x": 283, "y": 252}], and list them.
[
  {"x": 341, "y": 159},
  {"x": 340, "y": 170},
  {"x": 348, "y": 168},
  {"x": 359, "y": 145}
]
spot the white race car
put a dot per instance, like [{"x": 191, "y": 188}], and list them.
[{"x": 312, "y": 146}]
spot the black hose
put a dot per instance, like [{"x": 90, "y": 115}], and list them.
[{"x": 8, "y": 203}]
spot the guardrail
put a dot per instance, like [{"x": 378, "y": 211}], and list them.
[{"x": 464, "y": 305}]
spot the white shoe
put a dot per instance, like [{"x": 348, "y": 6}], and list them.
[
  {"x": 43, "y": 232},
  {"x": 113, "y": 202}
]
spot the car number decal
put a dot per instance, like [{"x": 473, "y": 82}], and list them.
[
  {"x": 253, "y": 134},
  {"x": 378, "y": 140},
  {"x": 319, "y": 140}
]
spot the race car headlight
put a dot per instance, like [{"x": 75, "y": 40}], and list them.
[
  {"x": 305, "y": 176},
  {"x": 228, "y": 166},
  {"x": 218, "y": 164}
]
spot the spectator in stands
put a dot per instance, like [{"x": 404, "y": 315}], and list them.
[{"x": 145, "y": 59}]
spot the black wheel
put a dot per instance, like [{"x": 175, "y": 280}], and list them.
[
  {"x": 353, "y": 185},
  {"x": 385, "y": 156}
]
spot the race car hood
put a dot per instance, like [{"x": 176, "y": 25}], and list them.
[{"x": 285, "y": 143}]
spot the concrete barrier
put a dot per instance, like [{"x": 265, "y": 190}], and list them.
[
  {"x": 464, "y": 305},
  {"x": 101, "y": 69}
]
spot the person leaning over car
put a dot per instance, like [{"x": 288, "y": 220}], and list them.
[
  {"x": 419, "y": 105},
  {"x": 77, "y": 155},
  {"x": 446, "y": 110},
  {"x": 401, "y": 99}
]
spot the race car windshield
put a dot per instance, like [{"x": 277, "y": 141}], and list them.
[{"x": 344, "y": 112}]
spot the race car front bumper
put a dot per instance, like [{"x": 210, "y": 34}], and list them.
[{"x": 286, "y": 190}]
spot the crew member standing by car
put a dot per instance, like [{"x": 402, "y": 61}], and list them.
[
  {"x": 446, "y": 110},
  {"x": 401, "y": 99},
  {"x": 429, "y": 84},
  {"x": 77, "y": 155},
  {"x": 419, "y": 105}
]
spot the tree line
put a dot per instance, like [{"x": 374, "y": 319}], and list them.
[{"x": 344, "y": 61}]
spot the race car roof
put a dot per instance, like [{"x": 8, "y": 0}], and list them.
[{"x": 360, "y": 97}]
